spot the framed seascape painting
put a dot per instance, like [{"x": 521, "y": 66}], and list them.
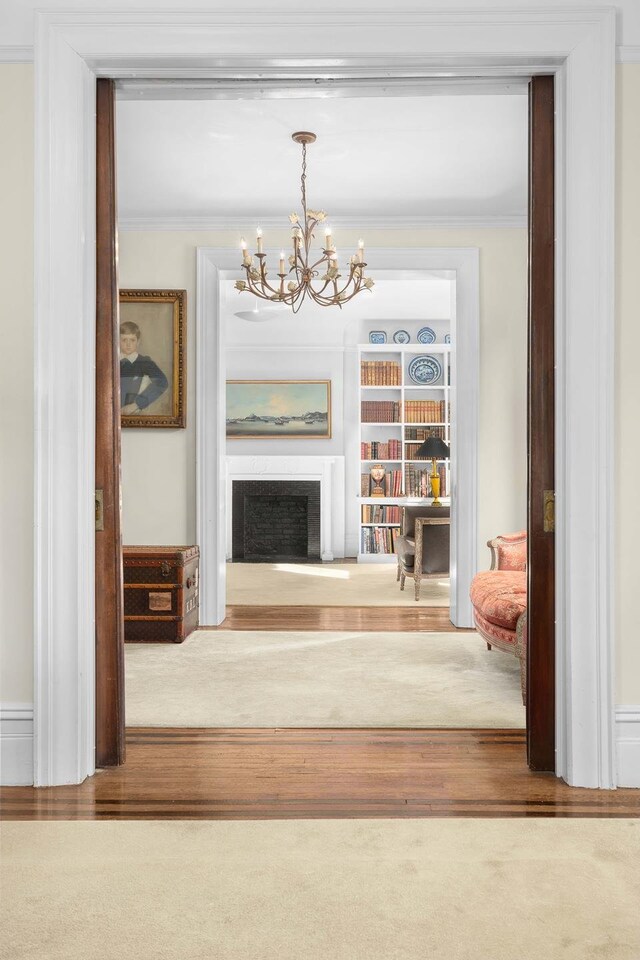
[
  {"x": 270, "y": 409},
  {"x": 152, "y": 358}
]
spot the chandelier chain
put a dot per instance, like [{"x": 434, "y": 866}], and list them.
[{"x": 303, "y": 179}]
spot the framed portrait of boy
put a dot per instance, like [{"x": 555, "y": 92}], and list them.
[{"x": 152, "y": 358}]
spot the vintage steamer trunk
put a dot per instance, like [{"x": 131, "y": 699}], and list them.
[{"x": 161, "y": 593}]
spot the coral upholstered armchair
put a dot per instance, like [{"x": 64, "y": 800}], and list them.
[{"x": 499, "y": 599}]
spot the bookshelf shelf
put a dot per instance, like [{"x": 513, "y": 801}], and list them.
[{"x": 406, "y": 408}]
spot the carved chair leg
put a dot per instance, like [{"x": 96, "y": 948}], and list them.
[
  {"x": 402, "y": 580},
  {"x": 398, "y": 572},
  {"x": 523, "y": 680},
  {"x": 417, "y": 583},
  {"x": 488, "y": 646}
]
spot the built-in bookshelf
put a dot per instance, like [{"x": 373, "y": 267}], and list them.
[{"x": 396, "y": 415}]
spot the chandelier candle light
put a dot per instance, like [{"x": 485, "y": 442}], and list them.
[{"x": 320, "y": 279}]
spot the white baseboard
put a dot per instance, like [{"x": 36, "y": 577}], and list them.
[
  {"x": 16, "y": 744},
  {"x": 628, "y": 745}
]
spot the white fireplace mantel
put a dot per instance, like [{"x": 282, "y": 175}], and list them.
[{"x": 328, "y": 470}]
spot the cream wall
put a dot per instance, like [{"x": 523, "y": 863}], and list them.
[
  {"x": 622, "y": 475},
  {"x": 16, "y": 430},
  {"x": 154, "y": 509},
  {"x": 158, "y": 466},
  {"x": 16, "y": 383}
]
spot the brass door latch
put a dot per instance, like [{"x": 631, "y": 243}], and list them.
[
  {"x": 549, "y": 508},
  {"x": 99, "y": 510}
]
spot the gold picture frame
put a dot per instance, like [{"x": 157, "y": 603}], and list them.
[
  {"x": 278, "y": 410},
  {"x": 153, "y": 331}
]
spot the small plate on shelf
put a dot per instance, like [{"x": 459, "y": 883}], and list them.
[
  {"x": 447, "y": 338},
  {"x": 401, "y": 336},
  {"x": 377, "y": 336},
  {"x": 426, "y": 335},
  {"x": 425, "y": 370}
]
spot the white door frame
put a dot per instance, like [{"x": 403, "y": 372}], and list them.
[
  {"x": 211, "y": 505},
  {"x": 575, "y": 44}
]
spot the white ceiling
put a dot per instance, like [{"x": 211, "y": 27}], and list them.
[{"x": 461, "y": 156}]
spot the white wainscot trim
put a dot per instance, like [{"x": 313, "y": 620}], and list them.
[
  {"x": 328, "y": 470},
  {"x": 628, "y": 745},
  {"x": 16, "y": 744}
]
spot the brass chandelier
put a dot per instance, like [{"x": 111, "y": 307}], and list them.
[{"x": 320, "y": 279}]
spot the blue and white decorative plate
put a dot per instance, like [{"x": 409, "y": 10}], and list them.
[
  {"x": 426, "y": 335},
  {"x": 425, "y": 370},
  {"x": 401, "y": 336},
  {"x": 377, "y": 336},
  {"x": 447, "y": 338}
]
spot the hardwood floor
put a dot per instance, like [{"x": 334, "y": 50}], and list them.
[
  {"x": 433, "y": 619},
  {"x": 216, "y": 774}
]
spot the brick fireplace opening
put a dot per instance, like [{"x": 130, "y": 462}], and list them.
[{"x": 275, "y": 521}]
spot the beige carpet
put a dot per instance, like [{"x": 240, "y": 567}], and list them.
[
  {"x": 306, "y": 679},
  {"x": 328, "y": 584},
  {"x": 322, "y": 890}
]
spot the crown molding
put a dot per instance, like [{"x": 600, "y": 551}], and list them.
[
  {"x": 240, "y": 224},
  {"x": 12, "y": 53},
  {"x": 628, "y": 54},
  {"x": 294, "y": 348}
]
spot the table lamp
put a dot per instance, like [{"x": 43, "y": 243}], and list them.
[{"x": 433, "y": 449}]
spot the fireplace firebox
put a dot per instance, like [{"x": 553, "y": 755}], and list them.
[{"x": 275, "y": 521}]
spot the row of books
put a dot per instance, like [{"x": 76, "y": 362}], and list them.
[
  {"x": 421, "y": 433},
  {"x": 392, "y": 484},
  {"x": 378, "y": 539},
  {"x": 411, "y": 450},
  {"x": 380, "y": 513},
  {"x": 380, "y": 411},
  {"x": 415, "y": 411},
  {"x": 379, "y": 373},
  {"x": 389, "y": 450},
  {"x": 418, "y": 481},
  {"x": 424, "y": 411}
]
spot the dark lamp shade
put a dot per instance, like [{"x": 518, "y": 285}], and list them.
[{"x": 433, "y": 448}]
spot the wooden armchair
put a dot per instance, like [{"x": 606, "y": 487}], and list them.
[{"x": 425, "y": 534}]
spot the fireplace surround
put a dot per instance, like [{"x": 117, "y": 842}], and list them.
[{"x": 327, "y": 471}]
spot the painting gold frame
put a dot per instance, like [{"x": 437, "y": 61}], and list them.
[
  {"x": 288, "y": 436},
  {"x": 178, "y": 377}
]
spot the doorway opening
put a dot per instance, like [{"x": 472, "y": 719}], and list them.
[{"x": 372, "y": 521}]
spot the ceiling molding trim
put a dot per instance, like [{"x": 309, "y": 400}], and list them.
[
  {"x": 239, "y": 224},
  {"x": 293, "y": 348},
  {"x": 628, "y": 54},
  {"x": 144, "y": 89},
  {"x": 11, "y": 53}
]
